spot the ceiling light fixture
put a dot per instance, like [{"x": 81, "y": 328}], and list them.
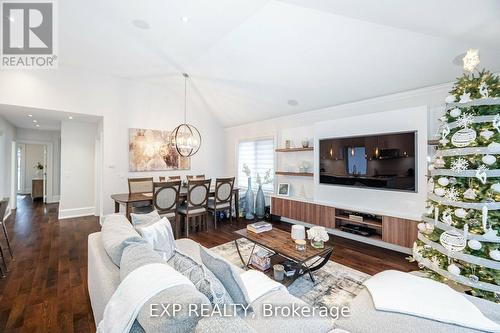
[
  {"x": 185, "y": 19},
  {"x": 141, "y": 24},
  {"x": 30, "y": 115},
  {"x": 37, "y": 125},
  {"x": 35, "y": 121},
  {"x": 70, "y": 117},
  {"x": 186, "y": 138}
]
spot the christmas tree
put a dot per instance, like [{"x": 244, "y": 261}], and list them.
[{"x": 458, "y": 239}]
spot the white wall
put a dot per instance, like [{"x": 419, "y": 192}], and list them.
[
  {"x": 7, "y": 134},
  {"x": 78, "y": 169},
  {"x": 33, "y": 155},
  {"x": 54, "y": 137},
  {"x": 122, "y": 104},
  {"x": 297, "y": 126}
]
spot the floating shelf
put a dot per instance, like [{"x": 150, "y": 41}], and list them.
[
  {"x": 298, "y": 174},
  {"x": 289, "y": 150}
]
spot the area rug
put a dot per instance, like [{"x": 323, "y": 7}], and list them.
[{"x": 335, "y": 285}]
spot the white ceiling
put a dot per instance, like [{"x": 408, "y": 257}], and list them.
[
  {"x": 247, "y": 58},
  {"x": 47, "y": 120}
]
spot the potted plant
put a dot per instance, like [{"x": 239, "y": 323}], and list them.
[
  {"x": 260, "y": 204},
  {"x": 318, "y": 236}
]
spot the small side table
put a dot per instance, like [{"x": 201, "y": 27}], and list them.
[{"x": 37, "y": 188}]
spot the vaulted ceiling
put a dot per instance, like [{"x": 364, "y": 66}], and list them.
[{"x": 256, "y": 59}]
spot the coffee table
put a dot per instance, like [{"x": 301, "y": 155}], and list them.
[{"x": 282, "y": 246}]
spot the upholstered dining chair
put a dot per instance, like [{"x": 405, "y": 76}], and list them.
[
  {"x": 223, "y": 198},
  {"x": 169, "y": 178},
  {"x": 141, "y": 185},
  {"x": 195, "y": 177},
  {"x": 166, "y": 201},
  {"x": 3, "y": 208},
  {"x": 196, "y": 203}
]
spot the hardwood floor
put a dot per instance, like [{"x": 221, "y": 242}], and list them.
[{"x": 46, "y": 287}]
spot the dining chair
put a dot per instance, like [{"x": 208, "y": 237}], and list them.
[
  {"x": 166, "y": 201},
  {"x": 195, "y": 177},
  {"x": 196, "y": 202},
  {"x": 141, "y": 185},
  {"x": 3, "y": 208},
  {"x": 169, "y": 178},
  {"x": 223, "y": 198}
]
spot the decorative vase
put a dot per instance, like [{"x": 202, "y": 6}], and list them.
[
  {"x": 318, "y": 244},
  {"x": 39, "y": 173},
  {"x": 260, "y": 203},
  {"x": 249, "y": 201}
]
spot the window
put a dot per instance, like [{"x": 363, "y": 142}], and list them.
[{"x": 258, "y": 155}]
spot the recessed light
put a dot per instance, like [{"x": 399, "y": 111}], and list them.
[
  {"x": 70, "y": 117},
  {"x": 35, "y": 121},
  {"x": 141, "y": 24},
  {"x": 185, "y": 19},
  {"x": 30, "y": 115},
  {"x": 37, "y": 125},
  {"x": 292, "y": 102}
]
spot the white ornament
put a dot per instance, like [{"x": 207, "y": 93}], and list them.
[
  {"x": 447, "y": 219},
  {"x": 430, "y": 186},
  {"x": 475, "y": 244},
  {"x": 439, "y": 163},
  {"x": 495, "y": 187},
  {"x": 455, "y": 112},
  {"x": 453, "y": 240},
  {"x": 443, "y": 181},
  {"x": 494, "y": 148},
  {"x": 465, "y": 120},
  {"x": 487, "y": 134},
  {"x": 450, "y": 99},
  {"x": 484, "y": 217},
  {"x": 460, "y": 213},
  {"x": 491, "y": 235},
  {"x": 442, "y": 119},
  {"x": 483, "y": 90},
  {"x": 459, "y": 165},
  {"x": 430, "y": 167},
  {"x": 464, "y": 137},
  {"x": 481, "y": 174},
  {"x": 495, "y": 255},
  {"x": 465, "y": 97},
  {"x": 489, "y": 159},
  {"x": 421, "y": 227},
  {"x": 469, "y": 194},
  {"x": 453, "y": 269},
  {"x": 451, "y": 194},
  {"x": 471, "y": 60},
  {"x": 445, "y": 131},
  {"x": 496, "y": 123},
  {"x": 439, "y": 191}
]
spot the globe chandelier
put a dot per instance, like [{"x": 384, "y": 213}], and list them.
[{"x": 186, "y": 139}]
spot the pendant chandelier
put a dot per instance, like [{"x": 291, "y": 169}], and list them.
[{"x": 186, "y": 138}]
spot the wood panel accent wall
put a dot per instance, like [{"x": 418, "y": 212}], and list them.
[
  {"x": 399, "y": 231},
  {"x": 304, "y": 211},
  {"x": 395, "y": 230}
]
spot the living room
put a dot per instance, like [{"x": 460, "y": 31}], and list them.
[{"x": 247, "y": 158}]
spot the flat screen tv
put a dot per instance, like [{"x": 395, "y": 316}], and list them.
[{"x": 384, "y": 161}]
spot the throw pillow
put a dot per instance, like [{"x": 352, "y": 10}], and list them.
[
  {"x": 160, "y": 235},
  {"x": 204, "y": 280},
  {"x": 117, "y": 234},
  {"x": 137, "y": 255},
  {"x": 143, "y": 219},
  {"x": 227, "y": 275}
]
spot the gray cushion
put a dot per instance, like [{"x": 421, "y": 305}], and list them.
[
  {"x": 211, "y": 204},
  {"x": 146, "y": 218},
  {"x": 204, "y": 280},
  {"x": 365, "y": 318},
  {"x": 183, "y": 210},
  {"x": 218, "y": 324},
  {"x": 117, "y": 234},
  {"x": 137, "y": 255},
  {"x": 226, "y": 273}
]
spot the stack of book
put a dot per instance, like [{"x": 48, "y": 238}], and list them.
[{"x": 259, "y": 227}]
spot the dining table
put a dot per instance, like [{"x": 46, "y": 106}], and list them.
[{"x": 128, "y": 199}]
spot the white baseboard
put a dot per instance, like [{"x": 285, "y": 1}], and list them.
[
  {"x": 55, "y": 198},
  {"x": 76, "y": 212}
]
